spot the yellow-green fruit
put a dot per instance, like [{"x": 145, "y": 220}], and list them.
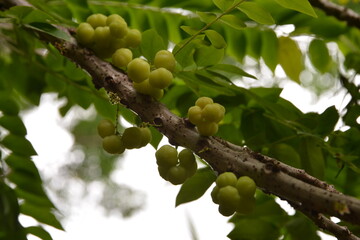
[
  {"x": 165, "y": 59},
  {"x": 186, "y": 158},
  {"x": 102, "y": 37},
  {"x": 85, "y": 34},
  {"x": 246, "y": 186},
  {"x": 118, "y": 29},
  {"x": 166, "y": 156},
  {"x": 105, "y": 128},
  {"x": 113, "y": 144},
  {"x": 121, "y": 57},
  {"x": 117, "y": 43},
  {"x": 176, "y": 175},
  {"x": 145, "y": 136},
  {"x": 163, "y": 171},
  {"x": 97, "y": 20},
  {"x": 194, "y": 115},
  {"x": 207, "y": 128},
  {"x": 203, "y": 101},
  {"x": 245, "y": 205},
  {"x": 214, "y": 194},
  {"x": 160, "y": 78},
  {"x": 133, "y": 38},
  {"x": 226, "y": 210},
  {"x": 145, "y": 88},
  {"x": 132, "y": 137},
  {"x": 226, "y": 179},
  {"x": 114, "y": 18},
  {"x": 213, "y": 112},
  {"x": 138, "y": 70},
  {"x": 229, "y": 196}
]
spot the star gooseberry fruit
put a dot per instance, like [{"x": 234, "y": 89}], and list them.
[
  {"x": 97, "y": 20},
  {"x": 122, "y": 57},
  {"x": 105, "y": 128},
  {"x": 132, "y": 137},
  {"x": 85, "y": 33},
  {"x": 160, "y": 78},
  {"x": 113, "y": 144},
  {"x": 166, "y": 156},
  {"x": 165, "y": 59},
  {"x": 138, "y": 70}
]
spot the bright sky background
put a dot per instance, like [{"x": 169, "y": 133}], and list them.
[{"x": 160, "y": 219}]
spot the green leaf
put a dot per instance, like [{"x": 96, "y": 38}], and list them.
[
  {"x": 156, "y": 137},
  {"x": 34, "y": 198},
  {"x": 300, "y": 227},
  {"x": 189, "y": 30},
  {"x": 39, "y": 232},
  {"x": 254, "y": 229},
  {"x": 41, "y": 214},
  {"x": 151, "y": 43},
  {"x": 27, "y": 14},
  {"x": 27, "y": 182},
  {"x": 286, "y": 154},
  {"x": 196, "y": 186},
  {"x": 23, "y": 164},
  {"x": 10, "y": 227},
  {"x": 79, "y": 95},
  {"x": 351, "y": 116},
  {"x": 223, "y": 4},
  {"x": 14, "y": 124},
  {"x": 7, "y": 104},
  {"x": 312, "y": 157},
  {"x": 302, "y": 6},
  {"x": 19, "y": 145},
  {"x": 208, "y": 55},
  {"x": 253, "y": 40},
  {"x": 319, "y": 55},
  {"x": 233, "y": 21},
  {"x": 257, "y": 13},
  {"x": 228, "y": 68},
  {"x": 206, "y": 17},
  {"x": 269, "y": 48},
  {"x": 184, "y": 53},
  {"x": 327, "y": 121},
  {"x": 49, "y": 29},
  {"x": 215, "y": 38},
  {"x": 290, "y": 58},
  {"x": 104, "y": 107}
]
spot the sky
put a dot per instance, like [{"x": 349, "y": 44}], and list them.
[{"x": 159, "y": 219}]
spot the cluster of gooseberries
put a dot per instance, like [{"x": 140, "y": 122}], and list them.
[
  {"x": 234, "y": 194},
  {"x": 206, "y": 115},
  {"x": 107, "y": 34},
  {"x": 174, "y": 167},
  {"x": 152, "y": 82},
  {"x": 132, "y": 137}
]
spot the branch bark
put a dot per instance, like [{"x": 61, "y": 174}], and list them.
[
  {"x": 312, "y": 196},
  {"x": 272, "y": 176},
  {"x": 340, "y": 12}
]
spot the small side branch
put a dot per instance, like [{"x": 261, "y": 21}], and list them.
[
  {"x": 340, "y": 12},
  {"x": 324, "y": 223}
]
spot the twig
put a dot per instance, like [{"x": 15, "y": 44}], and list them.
[
  {"x": 340, "y": 232},
  {"x": 340, "y": 12}
]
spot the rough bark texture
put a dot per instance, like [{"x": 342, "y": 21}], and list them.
[{"x": 307, "y": 194}]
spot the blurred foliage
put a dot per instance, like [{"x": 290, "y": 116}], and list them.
[{"x": 240, "y": 61}]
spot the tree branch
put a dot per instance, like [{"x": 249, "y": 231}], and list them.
[
  {"x": 272, "y": 176},
  {"x": 340, "y": 12},
  {"x": 340, "y": 232}
]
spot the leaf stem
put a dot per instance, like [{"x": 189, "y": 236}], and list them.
[{"x": 208, "y": 25}]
